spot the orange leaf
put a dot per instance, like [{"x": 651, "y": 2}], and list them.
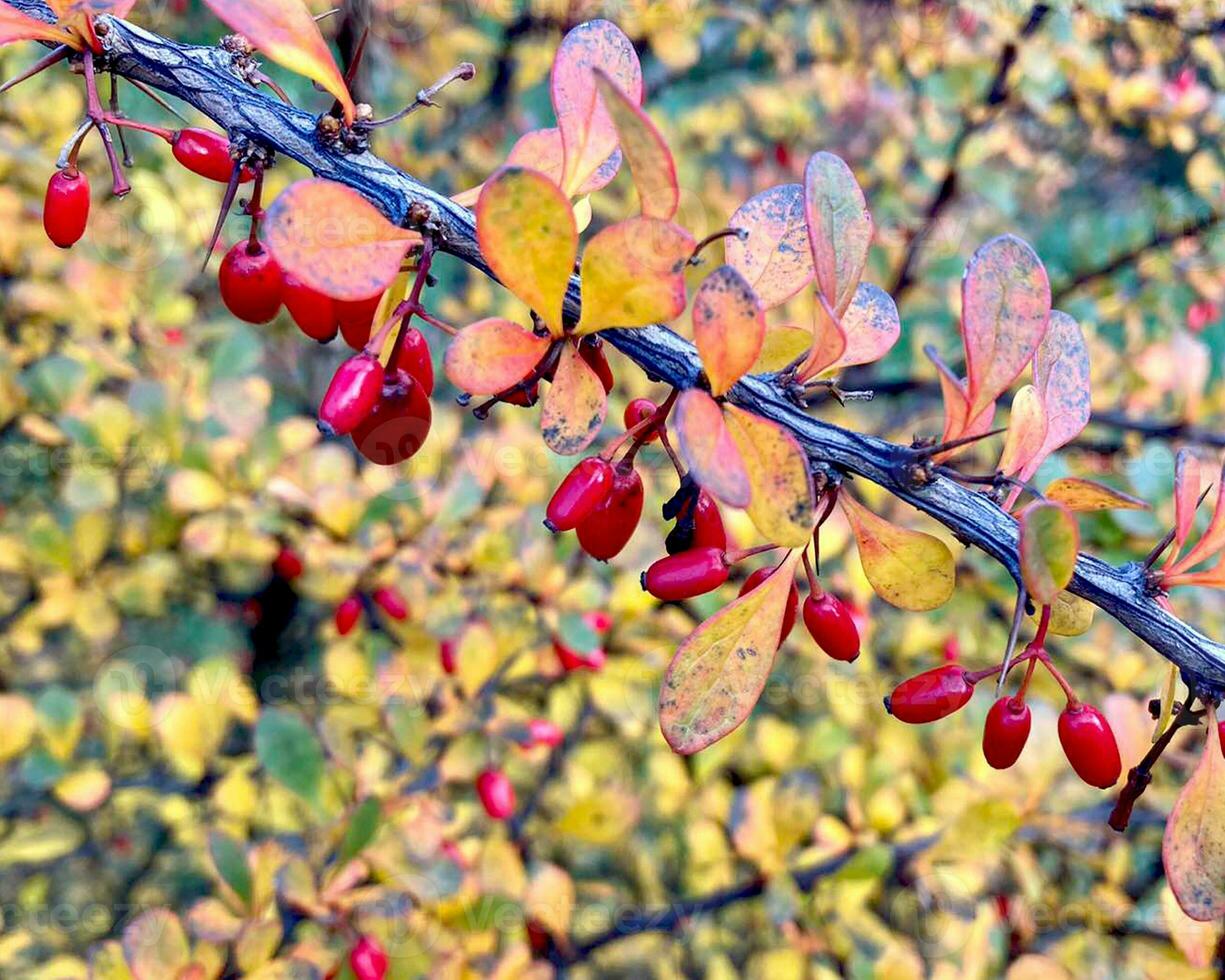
[
  {"x": 490, "y": 356},
  {"x": 1213, "y": 539},
  {"x": 634, "y": 274},
  {"x": 574, "y": 406},
  {"x": 956, "y": 406},
  {"x": 871, "y": 327},
  {"x": 588, "y": 135},
  {"x": 1026, "y": 431},
  {"x": 1061, "y": 376},
  {"x": 334, "y": 240},
  {"x": 908, "y": 569},
  {"x": 1086, "y": 495},
  {"x": 1005, "y": 306},
  {"x": 720, "y": 670},
  {"x": 1193, "y": 849},
  {"x": 285, "y": 31},
  {"x": 1050, "y": 541},
  {"x": 18, "y": 26},
  {"x": 782, "y": 505},
  {"x": 708, "y": 448},
  {"x": 1187, "y": 483},
  {"x": 828, "y": 341},
  {"x": 729, "y": 326},
  {"x": 775, "y": 258},
  {"x": 839, "y": 227},
  {"x": 650, "y": 160},
  {"x": 526, "y": 230}
]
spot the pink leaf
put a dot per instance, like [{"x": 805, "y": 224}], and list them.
[
  {"x": 775, "y": 257},
  {"x": 1061, "y": 376},
  {"x": 709, "y": 449},
  {"x": 839, "y": 227}
]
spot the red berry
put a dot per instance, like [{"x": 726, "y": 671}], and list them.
[
  {"x": 584, "y": 488},
  {"x": 66, "y": 207},
  {"x": 356, "y": 388},
  {"x": 608, "y": 528},
  {"x": 931, "y": 695},
  {"x": 367, "y": 959},
  {"x": 1200, "y": 314},
  {"x": 288, "y": 564},
  {"x": 602, "y": 622},
  {"x": 414, "y": 357},
  {"x": 355, "y": 318},
  {"x": 448, "y": 653},
  {"x": 541, "y": 731},
  {"x": 251, "y": 282},
  {"x": 314, "y": 313},
  {"x": 829, "y": 621},
  {"x": 391, "y": 601},
  {"x": 591, "y": 350},
  {"x": 1089, "y": 744},
  {"x": 573, "y": 660},
  {"x": 347, "y": 615},
  {"x": 1006, "y": 732},
  {"x": 496, "y": 793},
  {"x": 398, "y": 424},
  {"x": 793, "y": 600},
  {"x": 685, "y": 575},
  {"x": 636, "y": 411},
  {"x": 206, "y": 153}
]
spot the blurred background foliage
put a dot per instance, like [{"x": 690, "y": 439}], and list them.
[{"x": 169, "y": 704}]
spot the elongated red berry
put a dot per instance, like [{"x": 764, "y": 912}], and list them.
[
  {"x": 638, "y": 410},
  {"x": 591, "y": 350},
  {"x": 355, "y": 318},
  {"x": 1006, "y": 732},
  {"x": 584, "y": 488},
  {"x": 368, "y": 960},
  {"x": 347, "y": 614},
  {"x": 391, "y": 600},
  {"x": 1089, "y": 744},
  {"x": 414, "y": 357},
  {"x": 541, "y": 731},
  {"x": 931, "y": 695},
  {"x": 793, "y": 600},
  {"x": 288, "y": 564},
  {"x": 496, "y": 793},
  {"x": 831, "y": 624},
  {"x": 685, "y": 575},
  {"x": 206, "y": 153},
  {"x": 608, "y": 528},
  {"x": 572, "y": 660},
  {"x": 66, "y": 207},
  {"x": 313, "y": 312},
  {"x": 398, "y": 424},
  {"x": 251, "y": 282},
  {"x": 448, "y": 656},
  {"x": 356, "y": 388}
]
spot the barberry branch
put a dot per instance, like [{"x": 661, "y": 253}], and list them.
[{"x": 204, "y": 78}]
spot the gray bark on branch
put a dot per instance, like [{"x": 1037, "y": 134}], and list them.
[{"x": 203, "y": 78}]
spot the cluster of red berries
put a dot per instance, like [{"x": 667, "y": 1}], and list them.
[
  {"x": 1085, "y": 734},
  {"x": 387, "y": 597}
]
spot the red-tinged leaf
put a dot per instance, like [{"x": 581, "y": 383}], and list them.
[
  {"x": 155, "y": 945},
  {"x": 1213, "y": 539},
  {"x": 908, "y": 569},
  {"x": 634, "y": 274},
  {"x": 334, "y": 240},
  {"x": 871, "y": 326},
  {"x": 1005, "y": 307},
  {"x": 541, "y": 150},
  {"x": 781, "y": 506},
  {"x": 78, "y": 15},
  {"x": 1061, "y": 376},
  {"x": 839, "y": 227},
  {"x": 642, "y": 144},
  {"x": 18, "y": 26},
  {"x": 775, "y": 258},
  {"x": 588, "y": 135},
  {"x": 956, "y": 405},
  {"x": 1083, "y": 496},
  {"x": 1026, "y": 431},
  {"x": 490, "y": 356},
  {"x": 1188, "y": 481},
  {"x": 526, "y": 230},
  {"x": 729, "y": 326},
  {"x": 1193, "y": 849},
  {"x": 828, "y": 341},
  {"x": 1050, "y": 541},
  {"x": 708, "y": 448},
  {"x": 1212, "y": 578},
  {"x": 720, "y": 670},
  {"x": 285, "y": 31},
  {"x": 574, "y": 405}
]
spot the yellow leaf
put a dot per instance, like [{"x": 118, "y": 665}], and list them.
[
  {"x": 155, "y": 945},
  {"x": 908, "y": 569},
  {"x": 550, "y": 898},
  {"x": 194, "y": 491},
  {"x": 1086, "y": 495},
  {"x": 782, "y": 504},
  {"x": 575, "y": 405},
  {"x": 1193, "y": 849},
  {"x": 729, "y": 327},
  {"x": 650, "y": 160},
  {"x": 717, "y": 675},
  {"x": 477, "y": 656},
  {"x": 603, "y": 817},
  {"x": 85, "y": 790},
  {"x": 1070, "y": 615},
  {"x": 634, "y": 274},
  {"x": 17, "y": 731}
]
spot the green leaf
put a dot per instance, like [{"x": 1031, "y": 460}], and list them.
[
  {"x": 361, "y": 830},
  {"x": 290, "y": 752},
  {"x": 230, "y": 859},
  {"x": 1050, "y": 541}
]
